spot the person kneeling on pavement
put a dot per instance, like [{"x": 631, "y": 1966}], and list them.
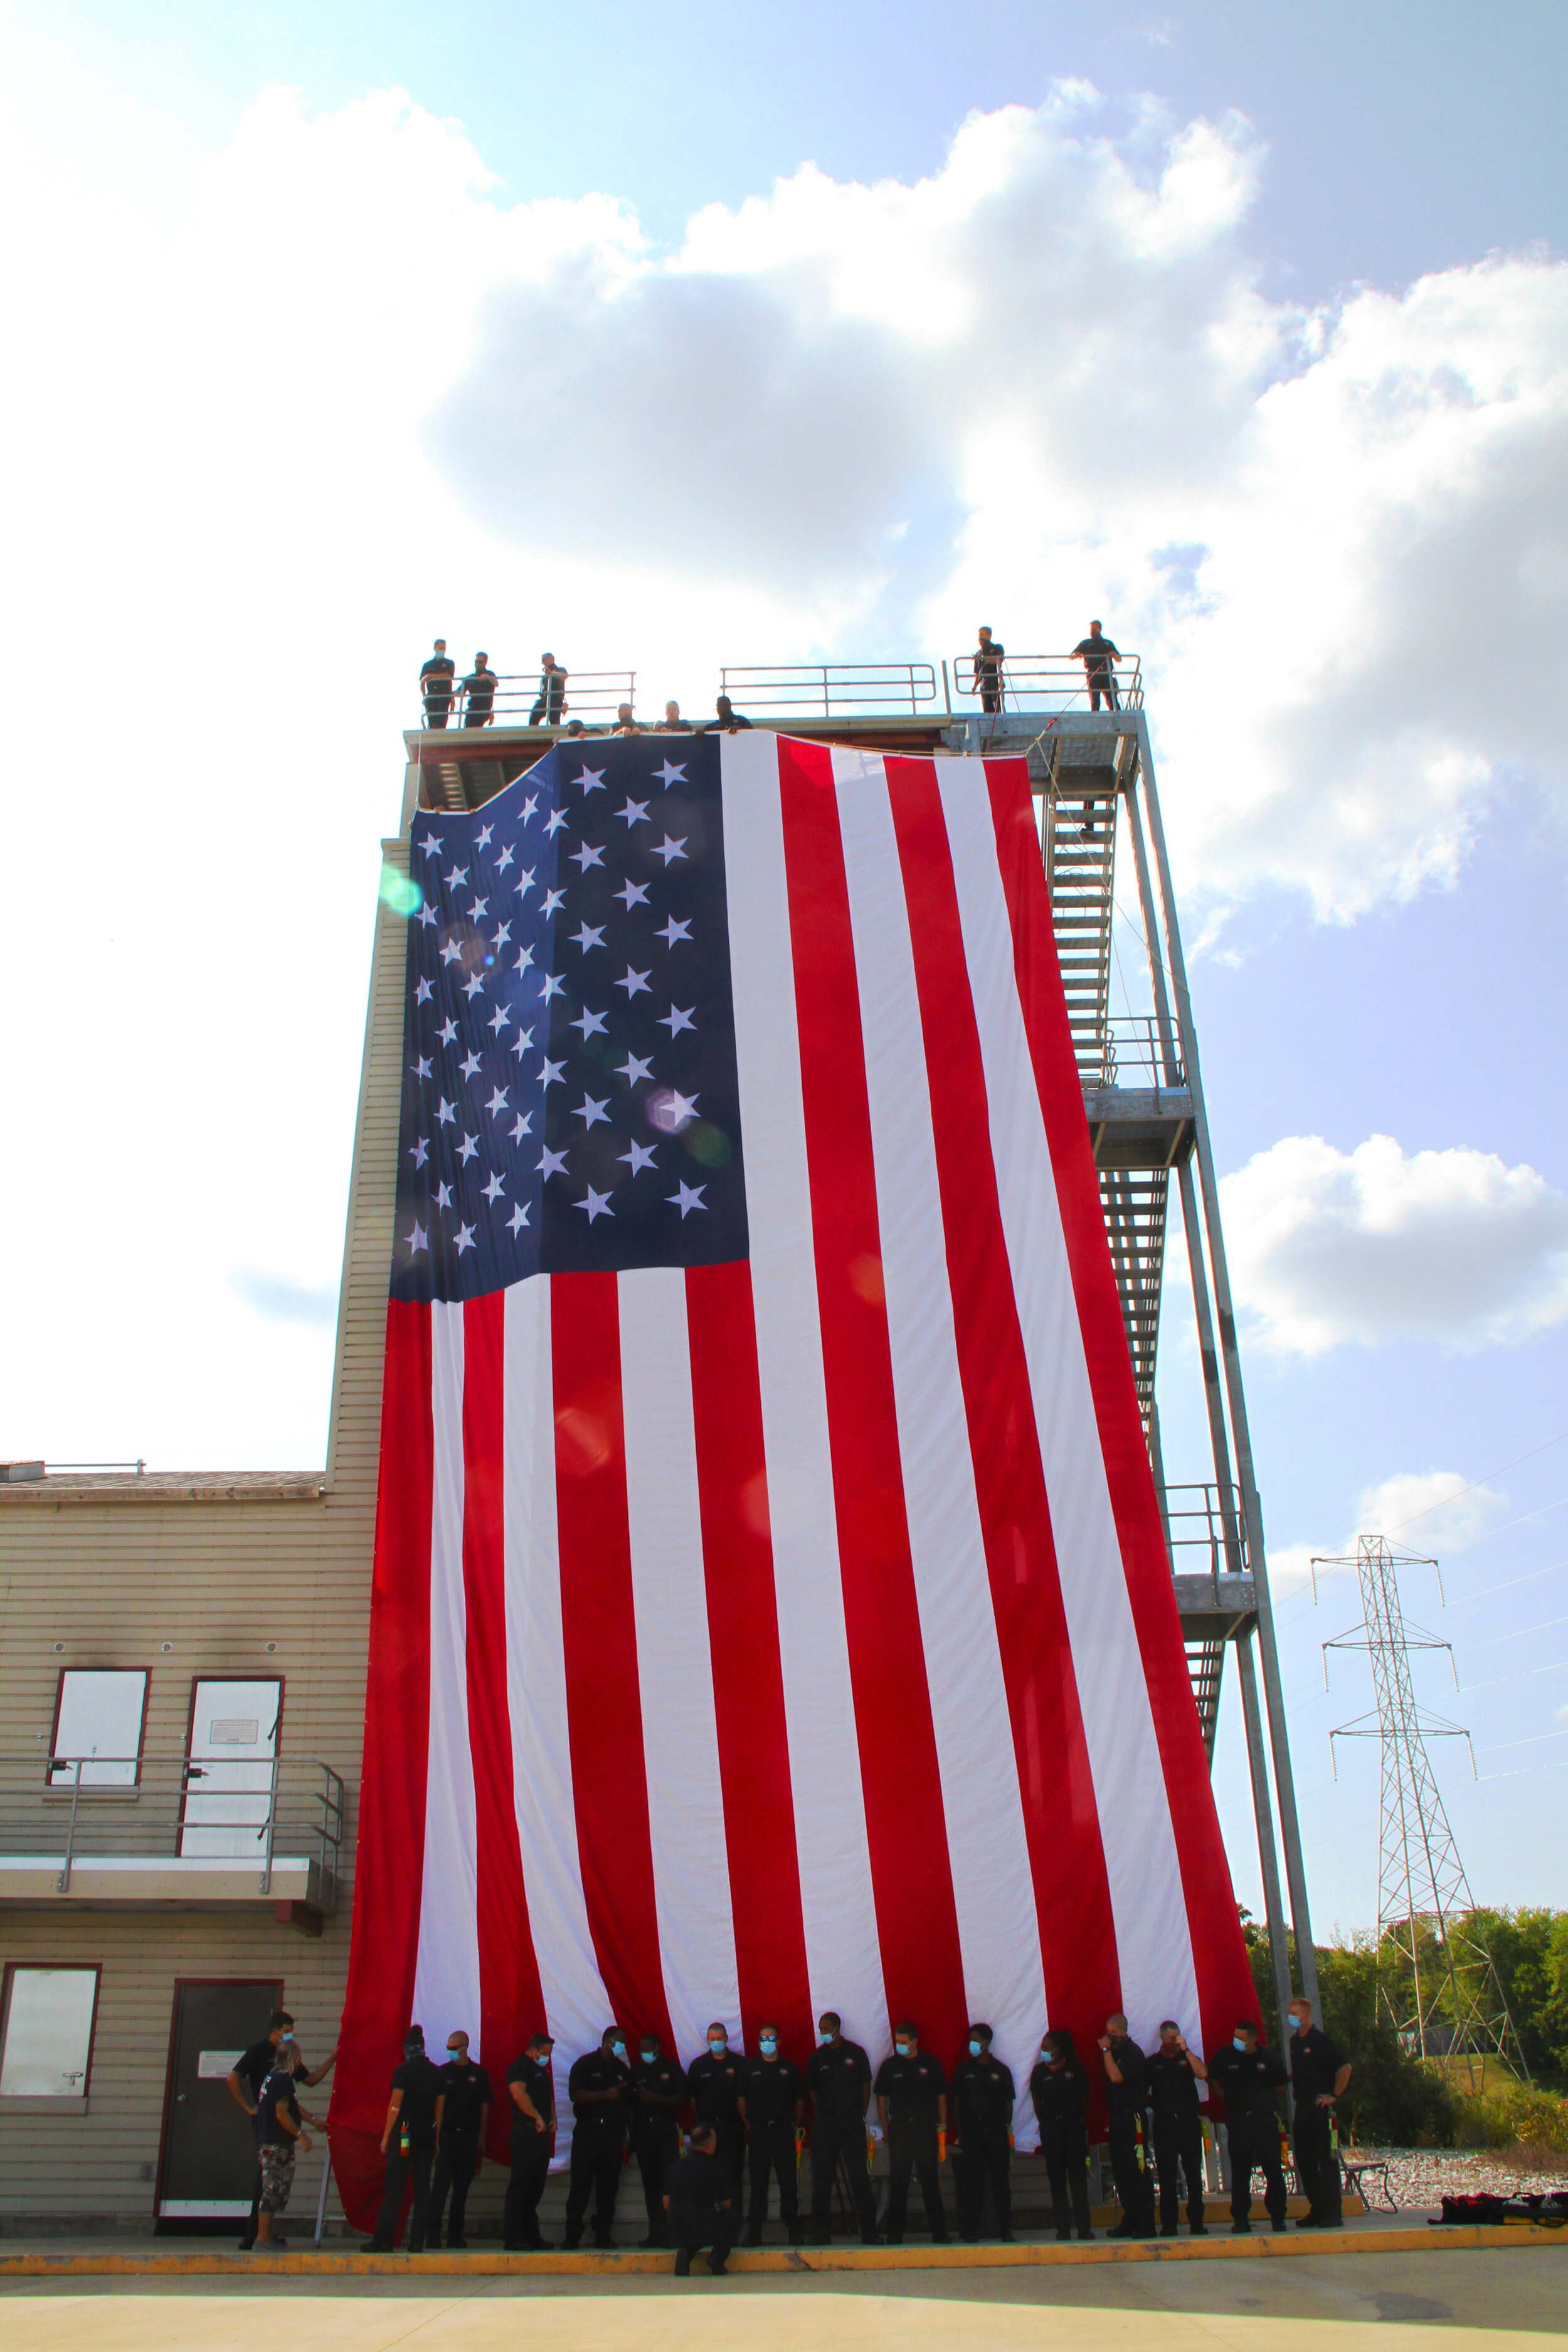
[
  {"x": 281, "y": 2137},
  {"x": 700, "y": 2201}
]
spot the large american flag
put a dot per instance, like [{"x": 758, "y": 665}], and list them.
[{"x": 771, "y": 1610}]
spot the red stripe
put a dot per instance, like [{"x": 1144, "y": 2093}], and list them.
[
  {"x": 744, "y": 1642},
  {"x": 1061, "y": 1819},
  {"x": 389, "y": 1852},
  {"x": 1219, "y": 1956},
  {"x": 598, "y": 1624},
  {"x": 911, "y": 1880},
  {"x": 512, "y": 2004}
]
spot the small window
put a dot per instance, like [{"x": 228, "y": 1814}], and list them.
[
  {"x": 47, "y": 2047},
  {"x": 99, "y": 1719}
]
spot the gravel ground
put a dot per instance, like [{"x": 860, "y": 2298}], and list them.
[{"x": 1420, "y": 2178}]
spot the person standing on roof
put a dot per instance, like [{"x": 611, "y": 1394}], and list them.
[
  {"x": 551, "y": 700},
  {"x": 479, "y": 685},
  {"x": 438, "y": 684},
  {"x": 1098, "y": 657},
  {"x": 988, "y": 660}
]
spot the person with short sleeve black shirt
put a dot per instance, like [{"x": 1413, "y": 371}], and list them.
[
  {"x": 459, "y": 2142},
  {"x": 550, "y": 702},
  {"x": 1127, "y": 2096},
  {"x": 599, "y": 2087},
  {"x": 1059, "y": 2091},
  {"x": 1320, "y": 2073},
  {"x": 771, "y": 2104},
  {"x": 838, "y": 2076},
  {"x": 480, "y": 687},
  {"x": 531, "y": 2095},
  {"x": 1248, "y": 2077},
  {"x": 1098, "y": 657},
  {"x": 980, "y": 2099},
  {"x": 250, "y": 2071},
  {"x": 408, "y": 2144},
  {"x": 701, "y": 2205},
  {"x": 988, "y": 659},
  {"x": 713, "y": 2087},
  {"x": 1174, "y": 2074},
  {"x": 911, "y": 2101},
  {"x": 437, "y": 680},
  {"x": 658, "y": 2093}
]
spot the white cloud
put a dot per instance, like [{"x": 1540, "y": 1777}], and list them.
[
  {"x": 1431, "y": 1513},
  {"x": 1369, "y": 1246}
]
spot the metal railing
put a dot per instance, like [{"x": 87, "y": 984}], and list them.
[
  {"x": 1134, "y": 1056},
  {"x": 1196, "y": 1522},
  {"x": 1052, "y": 682},
  {"x": 69, "y": 1809},
  {"x": 830, "y": 689},
  {"x": 591, "y": 695}
]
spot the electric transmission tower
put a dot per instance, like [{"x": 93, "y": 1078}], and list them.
[{"x": 1436, "y": 1979}]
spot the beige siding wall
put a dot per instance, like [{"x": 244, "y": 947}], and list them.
[{"x": 113, "y": 1576}]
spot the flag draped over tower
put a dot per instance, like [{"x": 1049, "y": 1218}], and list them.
[{"x": 771, "y": 1606}]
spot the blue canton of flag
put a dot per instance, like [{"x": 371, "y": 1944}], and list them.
[{"x": 570, "y": 1100}]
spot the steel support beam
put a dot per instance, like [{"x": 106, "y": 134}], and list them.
[
  {"x": 1252, "y": 1515},
  {"x": 1279, "y": 1951}
]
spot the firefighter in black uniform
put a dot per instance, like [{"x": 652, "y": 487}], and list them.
[
  {"x": 460, "y": 2141},
  {"x": 1319, "y": 2072},
  {"x": 981, "y": 2093},
  {"x": 1059, "y": 2090},
  {"x": 437, "y": 683},
  {"x": 1249, "y": 2076},
  {"x": 713, "y": 2087},
  {"x": 1174, "y": 2074},
  {"x": 531, "y": 2092},
  {"x": 408, "y": 2144},
  {"x": 599, "y": 2087},
  {"x": 658, "y": 2093},
  {"x": 1127, "y": 2096},
  {"x": 771, "y": 2106},
  {"x": 838, "y": 2076},
  {"x": 911, "y": 2105}
]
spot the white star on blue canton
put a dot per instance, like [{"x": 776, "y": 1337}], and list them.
[
  {"x": 525, "y": 958},
  {"x": 464, "y": 1238},
  {"x": 419, "y": 1152},
  {"x": 522, "y": 1042},
  {"x": 591, "y": 1113},
  {"x": 421, "y": 1068},
  {"x": 587, "y": 855},
  {"x": 591, "y": 1025},
  {"x": 673, "y": 932},
  {"x": 504, "y": 860},
  {"x": 469, "y": 1064},
  {"x": 443, "y": 1196},
  {"x": 474, "y": 986},
  {"x": 553, "y": 900},
  {"x": 554, "y": 821},
  {"x": 457, "y": 876},
  {"x": 634, "y": 895},
  {"x": 528, "y": 806},
  {"x": 586, "y": 937},
  {"x": 485, "y": 834},
  {"x": 524, "y": 1122},
  {"x": 634, "y": 813},
  {"x": 480, "y": 906},
  {"x": 675, "y": 1021},
  {"x": 499, "y": 1020},
  {"x": 424, "y": 993},
  {"x": 418, "y": 1239},
  {"x": 494, "y": 1190},
  {"x": 525, "y": 883},
  {"x": 686, "y": 1198},
  {"x": 498, "y": 1101},
  {"x": 679, "y": 1110},
  {"x": 445, "y": 1113},
  {"x": 447, "y": 1030},
  {"x": 669, "y": 850},
  {"x": 452, "y": 952},
  {"x": 425, "y": 916},
  {"x": 518, "y": 1219},
  {"x": 551, "y": 1163},
  {"x": 551, "y": 1075},
  {"x": 670, "y": 774},
  {"x": 634, "y": 1070},
  {"x": 639, "y": 1157},
  {"x": 502, "y": 938},
  {"x": 553, "y": 985},
  {"x": 597, "y": 1204},
  {"x": 466, "y": 1149},
  {"x": 591, "y": 780},
  {"x": 634, "y": 984},
  {"x": 431, "y": 845}
]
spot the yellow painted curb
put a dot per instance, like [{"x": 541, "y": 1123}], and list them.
[{"x": 779, "y": 2261}]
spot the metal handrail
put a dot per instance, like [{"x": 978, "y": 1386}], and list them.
[
  {"x": 139, "y": 1807},
  {"x": 1050, "y": 681},
  {"x": 1199, "y": 1524},
  {"x": 794, "y": 687},
  {"x": 1132, "y": 1049},
  {"x": 591, "y": 695}
]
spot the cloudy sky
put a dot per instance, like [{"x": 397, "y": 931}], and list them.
[{"x": 672, "y": 338}]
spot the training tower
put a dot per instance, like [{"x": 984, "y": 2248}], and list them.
[{"x": 1093, "y": 774}]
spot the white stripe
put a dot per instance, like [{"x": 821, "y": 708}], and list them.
[
  {"x": 447, "y": 1970},
  {"x": 576, "y": 2006},
  {"x": 1154, "y": 1937},
  {"x": 675, "y": 1665},
  {"x": 843, "y": 1957},
  {"x": 988, "y": 1851}
]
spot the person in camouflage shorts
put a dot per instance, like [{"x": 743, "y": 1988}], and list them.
[{"x": 280, "y": 2139}]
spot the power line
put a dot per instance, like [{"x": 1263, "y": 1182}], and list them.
[{"x": 1498, "y": 1473}]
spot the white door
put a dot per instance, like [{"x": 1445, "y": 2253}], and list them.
[{"x": 234, "y": 1740}]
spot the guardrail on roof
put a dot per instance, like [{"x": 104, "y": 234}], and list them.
[
  {"x": 829, "y": 688},
  {"x": 593, "y": 696},
  {"x": 1053, "y": 682}
]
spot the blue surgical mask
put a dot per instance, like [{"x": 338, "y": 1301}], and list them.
[
  {"x": 717, "y": 2043},
  {"x": 976, "y": 2049},
  {"x": 769, "y": 2045},
  {"x": 618, "y": 2049},
  {"x": 903, "y": 2048},
  {"x": 649, "y": 2053},
  {"x": 1237, "y": 2042},
  {"x": 824, "y": 2038}
]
